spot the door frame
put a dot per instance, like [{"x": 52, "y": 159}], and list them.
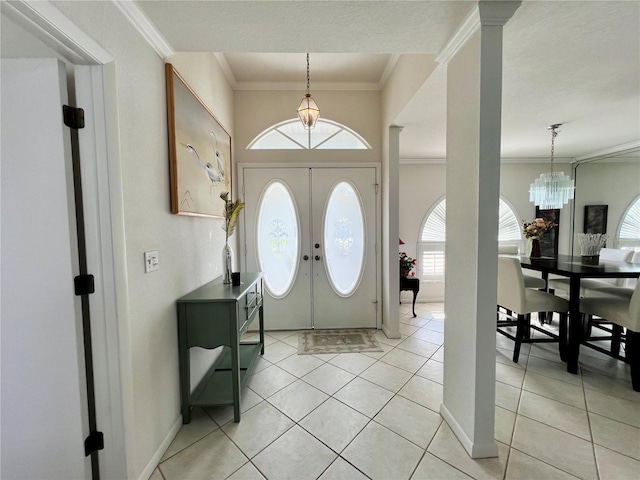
[
  {"x": 95, "y": 80},
  {"x": 378, "y": 215}
]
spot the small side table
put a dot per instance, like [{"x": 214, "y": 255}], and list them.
[{"x": 413, "y": 284}]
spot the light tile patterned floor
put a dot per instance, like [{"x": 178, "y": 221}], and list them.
[{"x": 375, "y": 415}]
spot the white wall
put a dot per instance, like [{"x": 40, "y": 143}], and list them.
[
  {"x": 614, "y": 184},
  {"x": 409, "y": 74},
  {"x": 423, "y": 185},
  {"x": 255, "y": 111}
]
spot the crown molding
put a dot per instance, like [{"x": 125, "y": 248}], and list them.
[
  {"x": 226, "y": 69},
  {"x": 145, "y": 27},
  {"x": 388, "y": 70},
  {"x": 496, "y": 13},
  {"x": 484, "y": 13},
  {"x": 455, "y": 43},
  {"x": 61, "y": 33},
  {"x": 317, "y": 86},
  {"x": 630, "y": 147},
  {"x": 508, "y": 161}
]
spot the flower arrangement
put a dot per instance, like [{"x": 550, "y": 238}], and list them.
[
  {"x": 231, "y": 213},
  {"x": 537, "y": 227},
  {"x": 406, "y": 264}
]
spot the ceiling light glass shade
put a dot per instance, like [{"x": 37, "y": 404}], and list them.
[
  {"x": 308, "y": 112},
  {"x": 551, "y": 190}
]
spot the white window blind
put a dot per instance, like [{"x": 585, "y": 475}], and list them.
[
  {"x": 431, "y": 251},
  {"x": 508, "y": 225},
  {"x": 629, "y": 235}
]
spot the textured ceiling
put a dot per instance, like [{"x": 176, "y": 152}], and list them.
[{"x": 570, "y": 62}]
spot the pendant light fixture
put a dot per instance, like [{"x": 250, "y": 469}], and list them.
[
  {"x": 551, "y": 190},
  {"x": 308, "y": 110}
]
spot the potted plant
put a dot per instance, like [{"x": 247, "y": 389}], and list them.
[{"x": 406, "y": 265}]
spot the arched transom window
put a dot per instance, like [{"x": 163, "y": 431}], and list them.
[
  {"x": 433, "y": 237},
  {"x": 629, "y": 232},
  {"x": 291, "y": 135}
]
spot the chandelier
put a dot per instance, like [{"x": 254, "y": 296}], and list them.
[
  {"x": 551, "y": 190},
  {"x": 308, "y": 110}
]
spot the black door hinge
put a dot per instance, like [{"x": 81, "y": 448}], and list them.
[
  {"x": 84, "y": 284},
  {"x": 93, "y": 443},
  {"x": 73, "y": 117}
]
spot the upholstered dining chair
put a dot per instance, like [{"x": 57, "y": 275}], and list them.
[
  {"x": 606, "y": 254},
  {"x": 624, "y": 313},
  {"x": 530, "y": 281},
  {"x": 607, "y": 289},
  {"x": 522, "y": 301},
  {"x": 625, "y": 290}
]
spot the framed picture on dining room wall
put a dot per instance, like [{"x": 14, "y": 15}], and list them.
[
  {"x": 595, "y": 218},
  {"x": 549, "y": 243},
  {"x": 199, "y": 152}
]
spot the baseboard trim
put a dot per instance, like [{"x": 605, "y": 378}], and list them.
[
  {"x": 157, "y": 456},
  {"x": 389, "y": 333},
  {"x": 484, "y": 450}
]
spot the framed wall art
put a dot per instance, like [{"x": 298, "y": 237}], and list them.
[
  {"x": 595, "y": 218},
  {"x": 549, "y": 242},
  {"x": 199, "y": 152}
]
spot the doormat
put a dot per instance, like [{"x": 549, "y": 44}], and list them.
[{"x": 337, "y": 341}]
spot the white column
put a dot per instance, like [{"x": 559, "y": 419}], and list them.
[
  {"x": 391, "y": 229},
  {"x": 474, "y": 93}
]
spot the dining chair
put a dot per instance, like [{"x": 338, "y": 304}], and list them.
[
  {"x": 607, "y": 255},
  {"x": 623, "y": 313},
  {"x": 522, "y": 301},
  {"x": 530, "y": 281},
  {"x": 624, "y": 291}
]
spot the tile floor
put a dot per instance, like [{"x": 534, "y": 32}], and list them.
[{"x": 358, "y": 416}]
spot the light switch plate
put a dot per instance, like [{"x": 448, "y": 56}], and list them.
[{"x": 151, "y": 262}]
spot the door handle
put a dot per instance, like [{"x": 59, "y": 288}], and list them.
[
  {"x": 317, "y": 257},
  {"x": 306, "y": 257}
]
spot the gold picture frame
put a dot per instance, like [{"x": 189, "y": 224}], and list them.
[{"x": 199, "y": 152}]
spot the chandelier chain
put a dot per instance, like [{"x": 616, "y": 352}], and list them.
[
  {"x": 554, "y": 134},
  {"x": 307, "y": 73}
]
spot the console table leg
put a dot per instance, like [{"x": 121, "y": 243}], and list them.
[
  {"x": 415, "y": 294},
  {"x": 183, "y": 365}
]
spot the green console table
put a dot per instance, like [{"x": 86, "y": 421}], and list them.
[{"x": 214, "y": 315}]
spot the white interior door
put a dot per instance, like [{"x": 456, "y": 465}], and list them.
[
  {"x": 44, "y": 404},
  {"x": 313, "y": 233}
]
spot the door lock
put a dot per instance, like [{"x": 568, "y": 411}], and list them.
[
  {"x": 317, "y": 257},
  {"x": 317, "y": 245}
]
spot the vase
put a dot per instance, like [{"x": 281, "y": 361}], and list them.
[
  {"x": 533, "y": 247},
  {"x": 227, "y": 263},
  {"x": 404, "y": 272}
]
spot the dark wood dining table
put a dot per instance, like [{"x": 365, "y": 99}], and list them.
[{"x": 575, "y": 270}]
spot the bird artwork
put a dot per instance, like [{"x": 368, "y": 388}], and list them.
[
  {"x": 211, "y": 172},
  {"x": 218, "y": 155}
]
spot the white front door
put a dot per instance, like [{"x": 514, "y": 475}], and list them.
[{"x": 313, "y": 232}]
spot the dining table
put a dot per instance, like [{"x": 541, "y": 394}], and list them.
[{"x": 575, "y": 269}]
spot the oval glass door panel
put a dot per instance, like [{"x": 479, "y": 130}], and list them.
[
  {"x": 278, "y": 242},
  {"x": 344, "y": 240}
]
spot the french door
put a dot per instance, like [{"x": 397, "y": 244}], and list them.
[{"x": 313, "y": 232}]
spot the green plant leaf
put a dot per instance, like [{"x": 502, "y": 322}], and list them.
[{"x": 231, "y": 213}]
